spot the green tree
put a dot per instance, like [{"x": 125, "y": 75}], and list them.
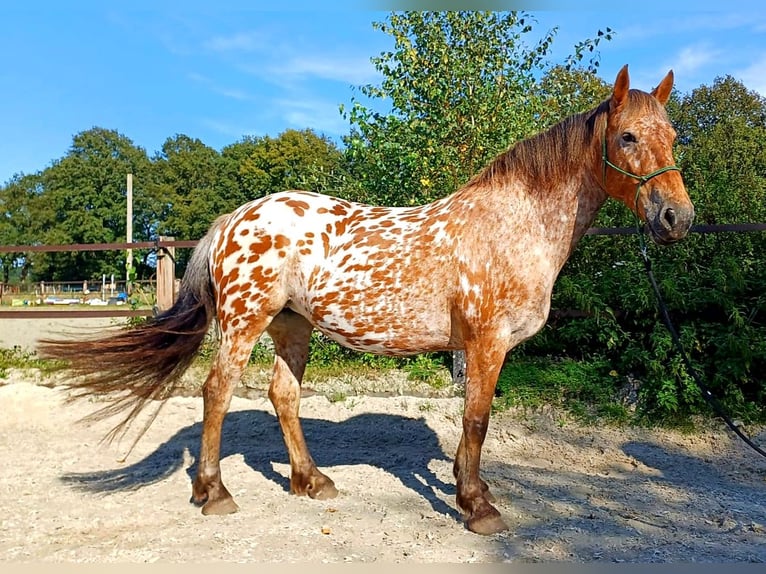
[
  {"x": 462, "y": 87},
  {"x": 17, "y": 222},
  {"x": 185, "y": 174},
  {"x": 721, "y": 130},
  {"x": 295, "y": 159},
  {"x": 569, "y": 90},
  {"x": 83, "y": 200}
]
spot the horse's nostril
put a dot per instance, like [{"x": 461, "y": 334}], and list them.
[{"x": 669, "y": 217}]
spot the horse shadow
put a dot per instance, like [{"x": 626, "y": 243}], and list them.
[
  {"x": 399, "y": 445},
  {"x": 702, "y": 476}
]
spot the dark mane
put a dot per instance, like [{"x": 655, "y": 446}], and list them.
[
  {"x": 547, "y": 157},
  {"x": 550, "y": 156}
]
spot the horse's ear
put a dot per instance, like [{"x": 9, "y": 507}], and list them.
[
  {"x": 620, "y": 90},
  {"x": 662, "y": 91}
]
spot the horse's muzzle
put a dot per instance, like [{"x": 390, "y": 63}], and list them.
[{"x": 668, "y": 221}]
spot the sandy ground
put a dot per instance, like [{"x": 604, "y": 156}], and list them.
[
  {"x": 24, "y": 333},
  {"x": 569, "y": 493}
]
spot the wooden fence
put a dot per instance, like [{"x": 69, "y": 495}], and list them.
[{"x": 167, "y": 285}]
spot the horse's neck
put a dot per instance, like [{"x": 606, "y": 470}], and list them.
[
  {"x": 553, "y": 218},
  {"x": 590, "y": 198}
]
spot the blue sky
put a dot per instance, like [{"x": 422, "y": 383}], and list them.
[{"x": 219, "y": 73}]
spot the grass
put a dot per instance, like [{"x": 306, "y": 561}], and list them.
[
  {"x": 586, "y": 390},
  {"x": 17, "y": 358}
]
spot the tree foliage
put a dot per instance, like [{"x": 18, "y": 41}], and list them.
[
  {"x": 82, "y": 197},
  {"x": 462, "y": 87},
  {"x": 16, "y": 222}
]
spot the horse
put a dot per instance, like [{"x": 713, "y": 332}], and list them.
[{"x": 471, "y": 271}]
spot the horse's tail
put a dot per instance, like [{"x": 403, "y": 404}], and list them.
[{"x": 144, "y": 362}]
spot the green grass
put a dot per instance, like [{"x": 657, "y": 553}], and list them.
[
  {"x": 329, "y": 360},
  {"x": 17, "y": 358},
  {"x": 586, "y": 390}
]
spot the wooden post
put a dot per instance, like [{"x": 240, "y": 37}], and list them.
[
  {"x": 166, "y": 275},
  {"x": 129, "y": 238}
]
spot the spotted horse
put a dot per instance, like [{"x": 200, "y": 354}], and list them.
[{"x": 471, "y": 271}]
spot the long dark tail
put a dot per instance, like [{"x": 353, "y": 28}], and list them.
[{"x": 145, "y": 362}]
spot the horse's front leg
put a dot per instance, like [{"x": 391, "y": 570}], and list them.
[{"x": 483, "y": 362}]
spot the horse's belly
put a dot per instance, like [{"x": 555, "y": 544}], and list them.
[{"x": 383, "y": 327}]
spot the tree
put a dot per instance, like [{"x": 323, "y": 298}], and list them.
[
  {"x": 17, "y": 222},
  {"x": 185, "y": 175},
  {"x": 83, "y": 200},
  {"x": 721, "y": 130},
  {"x": 462, "y": 87},
  {"x": 294, "y": 159}
]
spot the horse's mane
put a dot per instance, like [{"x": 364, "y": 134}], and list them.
[{"x": 554, "y": 154}]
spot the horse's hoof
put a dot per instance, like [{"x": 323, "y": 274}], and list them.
[
  {"x": 487, "y": 524},
  {"x": 220, "y": 506},
  {"x": 315, "y": 485},
  {"x": 322, "y": 489}
]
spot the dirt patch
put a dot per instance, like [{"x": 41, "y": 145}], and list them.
[{"x": 570, "y": 493}]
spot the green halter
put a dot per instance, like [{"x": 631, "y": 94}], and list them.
[{"x": 642, "y": 179}]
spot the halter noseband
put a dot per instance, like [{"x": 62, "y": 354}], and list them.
[{"x": 642, "y": 179}]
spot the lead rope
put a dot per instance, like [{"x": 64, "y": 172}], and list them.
[{"x": 706, "y": 394}]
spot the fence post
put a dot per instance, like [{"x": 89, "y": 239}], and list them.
[
  {"x": 166, "y": 275},
  {"x": 458, "y": 368}
]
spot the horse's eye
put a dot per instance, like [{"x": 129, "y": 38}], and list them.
[{"x": 628, "y": 137}]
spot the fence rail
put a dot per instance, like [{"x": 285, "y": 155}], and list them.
[
  {"x": 167, "y": 246},
  {"x": 190, "y": 243},
  {"x": 97, "y": 246},
  {"x": 702, "y": 228},
  {"x": 75, "y": 313}
]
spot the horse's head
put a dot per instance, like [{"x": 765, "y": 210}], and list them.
[{"x": 637, "y": 159}]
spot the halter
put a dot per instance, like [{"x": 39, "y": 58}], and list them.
[{"x": 642, "y": 179}]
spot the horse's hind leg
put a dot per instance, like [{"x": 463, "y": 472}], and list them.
[
  {"x": 208, "y": 490},
  {"x": 291, "y": 333}
]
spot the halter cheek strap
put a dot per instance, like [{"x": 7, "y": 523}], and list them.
[{"x": 642, "y": 179}]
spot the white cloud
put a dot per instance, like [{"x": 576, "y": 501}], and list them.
[
  {"x": 688, "y": 23},
  {"x": 754, "y": 75},
  {"x": 322, "y": 117},
  {"x": 274, "y": 59},
  {"x": 231, "y": 93},
  {"x": 239, "y": 42},
  {"x": 341, "y": 68},
  {"x": 692, "y": 59},
  {"x": 275, "y": 116},
  {"x": 234, "y": 131}
]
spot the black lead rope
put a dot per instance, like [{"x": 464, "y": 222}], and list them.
[{"x": 706, "y": 394}]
